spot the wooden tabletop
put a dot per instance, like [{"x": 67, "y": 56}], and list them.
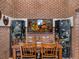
[{"x": 46, "y": 45}]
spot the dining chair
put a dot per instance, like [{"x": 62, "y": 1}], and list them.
[
  {"x": 49, "y": 51},
  {"x": 28, "y": 51}
]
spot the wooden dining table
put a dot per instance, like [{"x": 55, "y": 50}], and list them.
[{"x": 38, "y": 46}]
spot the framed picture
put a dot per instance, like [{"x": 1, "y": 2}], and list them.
[
  {"x": 40, "y": 26},
  {"x": 18, "y": 30}
]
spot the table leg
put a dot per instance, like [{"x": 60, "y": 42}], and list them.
[
  {"x": 60, "y": 53},
  {"x": 14, "y": 54}
]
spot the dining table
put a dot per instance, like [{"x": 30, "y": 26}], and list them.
[{"x": 38, "y": 47}]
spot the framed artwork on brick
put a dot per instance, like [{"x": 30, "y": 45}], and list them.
[{"x": 38, "y": 26}]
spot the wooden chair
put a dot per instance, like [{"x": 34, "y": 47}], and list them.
[
  {"x": 18, "y": 53},
  {"x": 28, "y": 51},
  {"x": 49, "y": 51}
]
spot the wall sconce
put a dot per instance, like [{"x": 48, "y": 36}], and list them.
[{"x": 5, "y": 20}]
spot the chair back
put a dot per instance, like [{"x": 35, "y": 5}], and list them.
[
  {"x": 28, "y": 50},
  {"x": 49, "y": 50}
]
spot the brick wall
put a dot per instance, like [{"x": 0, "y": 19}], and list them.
[
  {"x": 72, "y": 5},
  {"x": 6, "y": 7},
  {"x": 75, "y": 37},
  {"x": 40, "y": 8},
  {"x": 4, "y": 42}
]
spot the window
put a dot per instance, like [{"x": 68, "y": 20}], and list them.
[
  {"x": 63, "y": 32},
  {"x": 18, "y": 31}
]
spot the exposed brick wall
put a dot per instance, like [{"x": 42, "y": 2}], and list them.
[
  {"x": 6, "y": 7},
  {"x": 75, "y": 37},
  {"x": 40, "y": 8},
  {"x": 4, "y": 42},
  {"x": 72, "y": 5}
]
